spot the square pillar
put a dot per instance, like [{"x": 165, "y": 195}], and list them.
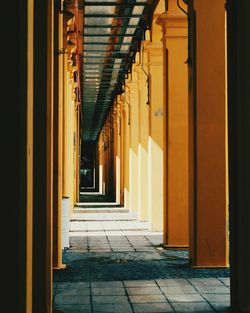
[
  {"x": 175, "y": 42},
  {"x": 155, "y": 139},
  {"x": 239, "y": 151},
  {"x": 208, "y": 135}
]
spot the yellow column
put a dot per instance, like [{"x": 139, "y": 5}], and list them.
[
  {"x": 121, "y": 147},
  {"x": 78, "y": 156},
  {"x": 155, "y": 141},
  {"x": 29, "y": 151},
  {"x": 143, "y": 142},
  {"x": 75, "y": 144},
  {"x": 43, "y": 156},
  {"x": 101, "y": 164},
  {"x": 117, "y": 142},
  {"x": 174, "y": 28},
  {"x": 126, "y": 145},
  {"x": 208, "y": 214},
  {"x": 113, "y": 135},
  {"x": 57, "y": 151},
  {"x": 132, "y": 96},
  {"x": 71, "y": 134},
  {"x": 65, "y": 184}
]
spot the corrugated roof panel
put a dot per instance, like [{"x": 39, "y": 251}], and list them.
[{"x": 110, "y": 31}]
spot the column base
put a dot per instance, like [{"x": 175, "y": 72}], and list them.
[
  {"x": 60, "y": 267},
  {"x": 209, "y": 266},
  {"x": 177, "y": 247}
]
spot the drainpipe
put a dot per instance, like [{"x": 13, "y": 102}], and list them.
[{"x": 148, "y": 77}]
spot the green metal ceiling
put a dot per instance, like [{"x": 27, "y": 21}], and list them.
[{"x": 112, "y": 32}]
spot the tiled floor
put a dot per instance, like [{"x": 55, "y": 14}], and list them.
[
  {"x": 162, "y": 295},
  {"x": 106, "y": 233}
]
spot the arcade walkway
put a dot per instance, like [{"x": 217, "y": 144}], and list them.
[{"x": 116, "y": 264}]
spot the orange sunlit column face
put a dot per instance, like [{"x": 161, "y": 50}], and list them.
[
  {"x": 175, "y": 42},
  {"x": 208, "y": 218}
]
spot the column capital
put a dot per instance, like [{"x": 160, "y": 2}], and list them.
[
  {"x": 153, "y": 48},
  {"x": 140, "y": 73},
  {"x": 173, "y": 25}
]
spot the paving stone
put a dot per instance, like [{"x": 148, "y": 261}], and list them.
[
  {"x": 100, "y": 250},
  {"x": 172, "y": 282},
  {"x": 139, "y": 283},
  {"x": 108, "y": 291},
  {"x": 91, "y": 258},
  {"x": 78, "y": 250},
  {"x": 225, "y": 280},
  {"x": 143, "y": 291},
  {"x": 72, "y": 299},
  {"x": 145, "y": 249},
  {"x": 124, "y": 250},
  {"x": 120, "y": 246},
  {"x": 213, "y": 289},
  {"x": 192, "y": 307},
  {"x": 171, "y": 290},
  {"x": 185, "y": 298},
  {"x": 221, "y": 306},
  {"x": 73, "y": 308},
  {"x": 112, "y": 308},
  {"x": 205, "y": 282},
  {"x": 109, "y": 299},
  {"x": 72, "y": 285},
  {"x": 152, "y": 308},
  {"x": 73, "y": 291},
  {"x": 217, "y": 297},
  {"x": 107, "y": 284},
  {"x": 147, "y": 298}
]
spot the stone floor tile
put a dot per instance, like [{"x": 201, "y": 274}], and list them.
[
  {"x": 213, "y": 289},
  {"x": 107, "y": 291},
  {"x": 100, "y": 250},
  {"x": 92, "y": 233},
  {"x": 185, "y": 298},
  {"x": 98, "y": 246},
  {"x": 129, "y": 233},
  {"x": 152, "y": 307},
  {"x": 225, "y": 280},
  {"x": 85, "y": 291},
  {"x": 109, "y": 299},
  {"x": 192, "y": 307},
  {"x": 171, "y": 290},
  {"x": 112, "y": 308},
  {"x": 172, "y": 282},
  {"x": 147, "y": 298},
  {"x": 205, "y": 281},
  {"x": 72, "y": 284},
  {"x": 216, "y": 297},
  {"x": 119, "y": 244},
  {"x": 71, "y": 299},
  {"x": 221, "y": 306},
  {"x": 123, "y": 249},
  {"x": 113, "y": 233},
  {"x": 145, "y": 249},
  {"x": 73, "y": 308},
  {"x": 143, "y": 291},
  {"x": 78, "y": 250},
  {"x": 107, "y": 284},
  {"x": 139, "y": 283}
]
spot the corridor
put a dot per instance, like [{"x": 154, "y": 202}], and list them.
[{"x": 116, "y": 264}]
